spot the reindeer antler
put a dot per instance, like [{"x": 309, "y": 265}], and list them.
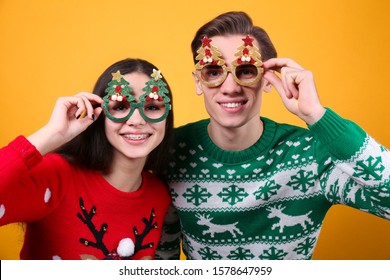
[
  {"x": 206, "y": 217},
  {"x": 277, "y": 207},
  {"x": 86, "y": 217},
  {"x": 139, "y": 238}
]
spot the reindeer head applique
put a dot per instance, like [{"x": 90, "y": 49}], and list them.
[{"x": 126, "y": 247}]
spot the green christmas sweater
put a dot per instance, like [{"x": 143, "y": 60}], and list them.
[{"x": 269, "y": 201}]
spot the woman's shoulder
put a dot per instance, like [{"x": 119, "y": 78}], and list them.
[{"x": 154, "y": 183}]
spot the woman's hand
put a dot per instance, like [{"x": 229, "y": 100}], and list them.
[{"x": 71, "y": 116}]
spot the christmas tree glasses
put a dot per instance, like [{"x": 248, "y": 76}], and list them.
[
  {"x": 246, "y": 69},
  {"x": 154, "y": 105},
  {"x": 215, "y": 75}
]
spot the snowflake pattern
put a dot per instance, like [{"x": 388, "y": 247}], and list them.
[
  {"x": 370, "y": 169},
  {"x": 232, "y": 194},
  {"x": 241, "y": 254},
  {"x": 302, "y": 181},
  {"x": 306, "y": 246},
  {"x": 265, "y": 192},
  {"x": 196, "y": 195},
  {"x": 273, "y": 254},
  {"x": 209, "y": 254}
]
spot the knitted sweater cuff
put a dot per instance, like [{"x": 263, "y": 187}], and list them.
[
  {"x": 341, "y": 137},
  {"x": 29, "y": 154}
]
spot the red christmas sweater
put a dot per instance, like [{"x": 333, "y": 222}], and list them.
[{"x": 73, "y": 213}]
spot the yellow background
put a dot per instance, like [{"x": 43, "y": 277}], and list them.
[{"x": 59, "y": 47}]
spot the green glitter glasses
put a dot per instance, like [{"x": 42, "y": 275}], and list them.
[{"x": 154, "y": 105}]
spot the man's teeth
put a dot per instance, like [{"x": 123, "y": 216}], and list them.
[
  {"x": 136, "y": 136},
  {"x": 232, "y": 105}
]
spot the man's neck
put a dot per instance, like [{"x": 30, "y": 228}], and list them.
[{"x": 238, "y": 138}]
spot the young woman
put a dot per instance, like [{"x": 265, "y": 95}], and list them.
[{"x": 86, "y": 184}]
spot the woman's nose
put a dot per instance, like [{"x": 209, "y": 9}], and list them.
[{"x": 136, "y": 118}]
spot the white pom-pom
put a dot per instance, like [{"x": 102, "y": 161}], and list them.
[
  {"x": 47, "y": 195},
  {"x": 2, "y": 210},
  {"x": 126, "y": 247},
  {"x": 248, "y": 58},
  {"x": 209, "y": 60},
  {"x": 205, "y": 59},
  {"x": 113, "y": 97},
  {"x": 120, "y": 98}
]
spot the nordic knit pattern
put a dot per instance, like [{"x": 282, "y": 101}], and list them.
[
  {"x": 76, "y": 214},
  {"x": 269, "y": 201}
]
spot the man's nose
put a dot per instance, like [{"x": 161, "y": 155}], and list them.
[{"x": 230, "y": 85}]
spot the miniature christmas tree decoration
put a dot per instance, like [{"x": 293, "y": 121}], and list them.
[
  {"x": 118, "y": 88},
  {"x": 155, "y": 89},
  {"x": 248, "y": 53},
  {"x": 208, "y": 54}
]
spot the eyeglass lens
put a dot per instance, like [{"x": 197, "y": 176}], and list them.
[
  {"x": 152, "y": 109},
  {"x": 215, "y": 74}
]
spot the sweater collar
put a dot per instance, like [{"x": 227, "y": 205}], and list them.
[{"x": 235, "y": 157}]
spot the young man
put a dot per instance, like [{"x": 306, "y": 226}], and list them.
[{"x": 245, "y": 187}]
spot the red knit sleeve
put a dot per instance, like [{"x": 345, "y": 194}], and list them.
[
  {"x": 19, "y": 156},
  {"x": 26, "y": 151},
  {"x": 29, "y": 187}
]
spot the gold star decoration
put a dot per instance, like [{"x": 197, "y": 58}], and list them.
[
  {"x": 117, "y": 76},
  {"x": 156, "y": 74}
]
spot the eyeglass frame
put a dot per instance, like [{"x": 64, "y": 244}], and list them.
[
  {"x": 134, "y": 105},
  {"x": 232, "y": 70}
]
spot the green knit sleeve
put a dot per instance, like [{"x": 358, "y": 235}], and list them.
[
  {"x": 354, "y": 169},
  {"x": 340, "y": 137}
]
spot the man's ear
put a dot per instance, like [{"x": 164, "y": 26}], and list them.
[
  {"x": 267, "y": 87},
  {"x": 198, "y": 84}
]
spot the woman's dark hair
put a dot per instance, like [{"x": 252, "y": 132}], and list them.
[
  {"x": 91, "y": 149},
  {"x": 234, "y": 23}
]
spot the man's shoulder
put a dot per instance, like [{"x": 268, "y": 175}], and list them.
[
  {"x": 190, "y": 127},
  {"x": 285, "y": 128}
]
